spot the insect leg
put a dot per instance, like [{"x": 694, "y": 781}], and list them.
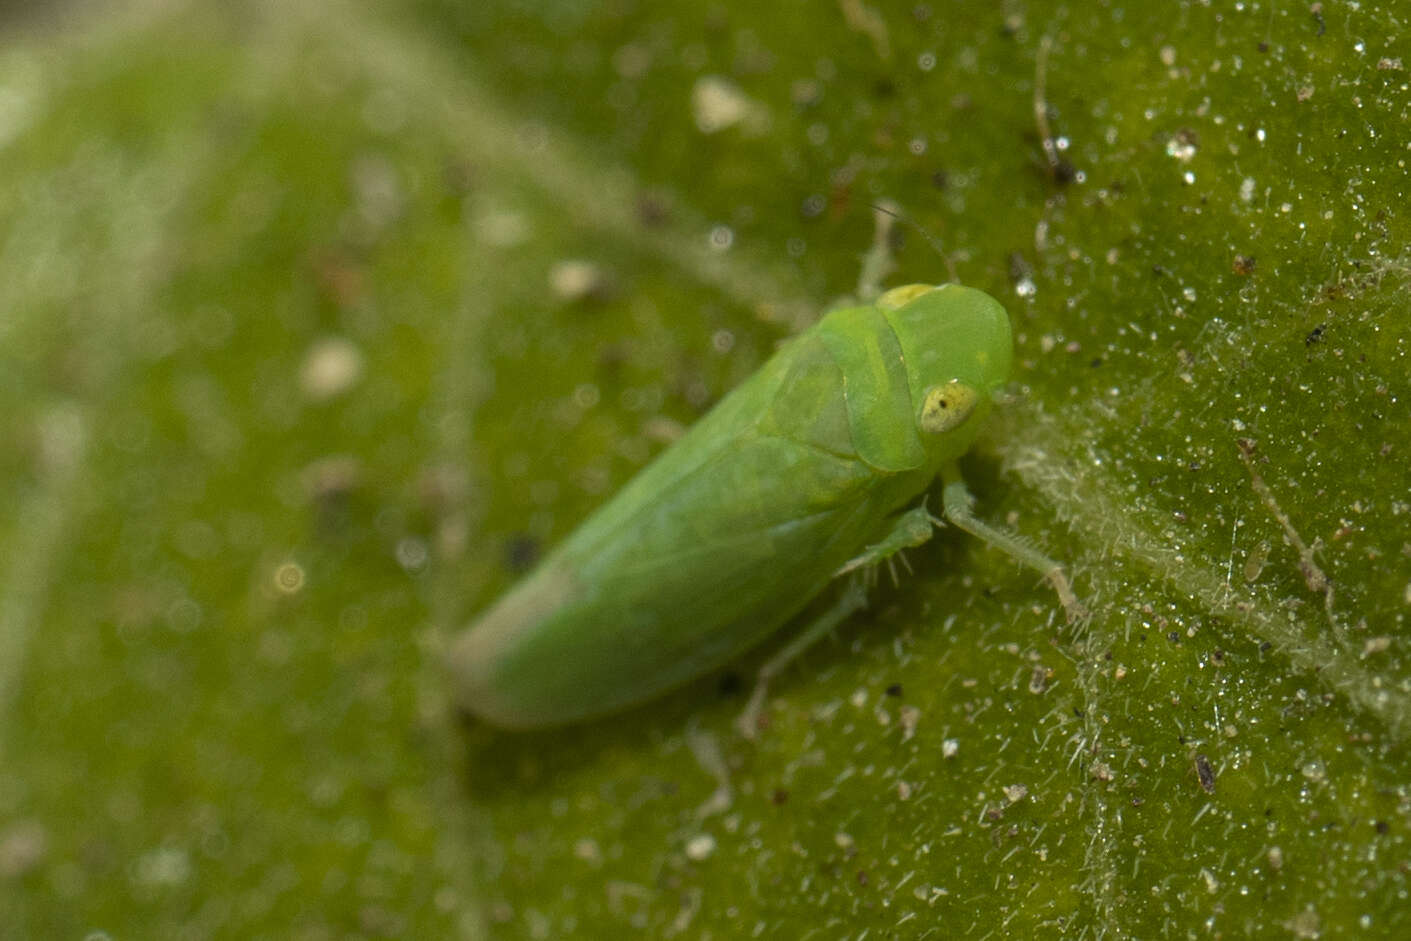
[
  {"x": 956, "y": 501},
  {"x": 910, "y": 529},
  {"x": 852, "y": 599}
]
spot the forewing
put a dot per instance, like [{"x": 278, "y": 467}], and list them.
[{"x": 708, "y": 570}]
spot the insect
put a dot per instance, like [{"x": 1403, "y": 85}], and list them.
[{"x": 809, "y": 471}]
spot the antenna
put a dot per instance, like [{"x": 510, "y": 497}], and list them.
[{"x": 931, "y": 240}]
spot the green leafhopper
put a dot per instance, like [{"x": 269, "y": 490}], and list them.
[{"x": 809, "y": 470}]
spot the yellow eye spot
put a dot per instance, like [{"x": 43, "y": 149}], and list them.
[{"x": 947, "y": 407}]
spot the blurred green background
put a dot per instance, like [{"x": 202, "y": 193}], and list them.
[{"x": 321, "y": 321}]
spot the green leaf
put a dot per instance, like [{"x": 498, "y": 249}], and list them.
[{"x": 320, "y": 324}]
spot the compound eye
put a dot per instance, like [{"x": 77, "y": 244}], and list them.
[{"x": 948, "y": 406}]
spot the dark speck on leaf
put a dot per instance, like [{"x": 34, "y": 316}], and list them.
[
  {"x": 652, "y": 211},
  {"x": 1315, "y": 335},
  {"x": 1205, "y": 773},
  {"x": 940, "y": 179},
  {"x": 894, "y": 689},
  {"x": 1243, "y": 265},
  {"x": 1174, "y": 637},
  {"x": 1019, "y": 267},
  {"x": 729, "y": 684},
  {"x": 521, "y": 552},
  {"x": 780, "y": 797}
]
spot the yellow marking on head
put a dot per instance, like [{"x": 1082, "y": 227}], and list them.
[{"x": 900, "y": 297}]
